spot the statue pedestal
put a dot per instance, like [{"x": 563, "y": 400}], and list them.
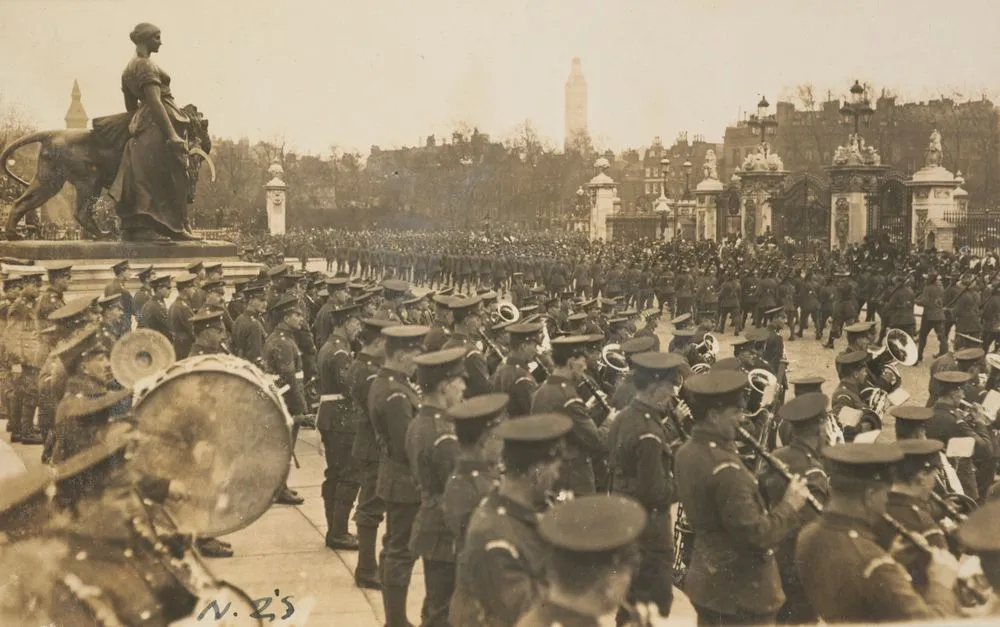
[
  {"x": 850, "y": 186},
  {"x": 602, "y": 191},
  {"x": 92, "y": 260},
  {"x": 933, "y": 189},
  {"x": 707, "y": 195},
  {"x": 758, "y": 186}
]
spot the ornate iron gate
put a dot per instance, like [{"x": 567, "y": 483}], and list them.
[
  {"x": 890, "y": 212},
  {"x": 801, "y": 211}
]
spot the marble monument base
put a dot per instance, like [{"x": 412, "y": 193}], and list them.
[{"x": 71, "y": 250}]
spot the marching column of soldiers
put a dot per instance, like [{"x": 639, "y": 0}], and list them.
[{"x": 540, "y": 454}]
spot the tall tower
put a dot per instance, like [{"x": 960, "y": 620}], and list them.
[
  {"x": 576, "y": 103},
  {"x": 76, "y": 116}
]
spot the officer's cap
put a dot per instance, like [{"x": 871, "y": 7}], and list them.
[
  {"x": 853, "y": 358},
  {"x": 684, "y": 333},
  {"x": 394, "y": 288},
  {"x": 32, "y": 276},
  {"x": 656, "y": 366},
  {"x": 859, "y": 328},
  {"x": 577, "y": 317},
  {"x": 716, "y": 383},
  {"x": 341, "y": 314},
  {"x": 120, "y": 267},
  {"x": 526, "y": 330},
  {"x": 214, "y": 286},
  {"x": 952, "y": 377},
  {"x": 729, "y": 363},
  {"x": 681, "y": 319},
  {"x": 24, "y": 497},
  {"x": 337, "y": 283},
  {"x": 89, "y": 408},
  {"x": 213, "y": 267},
  {"x": 528, "y": 310},
  {"x": 970, "y": 354},
  {"x": 912, "y": 413},
  {"x": 483, "y": 407},
  {"x": 920, "y": 454},
  {"x": 573, "y": 345},
  {"x": 356, "y": 288},
  {"x": 254, "y": 291},
  {"x": 109, "y": 302},
  {"x": 206, "y": 320},
  {"x": 59, "y": 269},
  {"x": 870, "y": 462},
  {"x": 286, "y": 304},
  {"x": 375, "y": 325},
  {"x": 433, "y": 368},
  {"x": 757, "y": 335},
  {"x": 807, "y": 385},
  {"x": 979, "y": 532},
  {"x": 464, "y": 306},
  {"x": 186, "y": 281},
  {"x": 593, "y": 524},
  {"x": 404, "y": 336},
  {"x": 534, "y": 429},
  {"x": 196, "y": 267},
  {"x": 636, "y": 345},
  {"x": 72, "y": 313},
  {"x": 83, "y": 344},
  {"x": 805, "y": 408}
]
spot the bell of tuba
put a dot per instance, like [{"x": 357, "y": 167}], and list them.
[
  {"x": 506, "y": 312},
  {"x": 708, "y": 348},
  {"x": 700, "y": 368},
  {"x": 613, "y": 357},
  {"x": 899, "y": 348},
  {"x": 764, "y": 384}
]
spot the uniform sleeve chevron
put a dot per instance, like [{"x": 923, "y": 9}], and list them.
[
  {"x": 725, "y": 465},
  {"x": 395, "y": 395},
  {"x": 503, "y": 545},
  {"x": 444, "y": 438},
  {"x": 873, "y": 565},
  {"x": 650, "y": 436}
]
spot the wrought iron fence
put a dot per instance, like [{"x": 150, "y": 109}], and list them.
[{"x": 980, "y": 232}]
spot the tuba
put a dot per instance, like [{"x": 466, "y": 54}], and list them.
[
  {"x": 613, "y": 357},
  {"x": 708, "y": 348},
  {"x": 899, "y": 348},
  {"x": 506, "y": 313}
]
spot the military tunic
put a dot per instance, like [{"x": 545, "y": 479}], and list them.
[
  {"x": 117, "y": 286},
  {"x": 583, "y": 442},
  {"x": 469, "y": 483},
  {"x": 849, "y": 578},
  {"x": 281, "y": 356},
  {"x": 914, "y": 514},
  {"x": 364, "y": 449},
  {"x": 249, "y": 336},
  {"x": 515, "y": 379},
  {"x": 181, "y": 330},
  {"x": 142, "y": 296},
  {"x": 478, "y": 380},
  {"x": 501, "y": 569},
  {"x": 48, "y": 301},
  {"x": 155, "y": 315}
]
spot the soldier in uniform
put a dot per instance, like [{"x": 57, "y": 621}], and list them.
[
  {"x": 23, "y": 348},
  {"x": 946, "y": 362},
  {"x": 845, "y": 306},
  {"x": 965, "y": 308},
  {"x": 281, "y": 357},
  {"x": 249, "y": 334},
  {"x": 932, "y": 300},
  {"x": 593, "y": 558},
  {"x": 209, "y": 333},
  {"x": 978, "y": 536},
  {"x": 11, "y": 292},
  {"x": 853, "y": 371},
  {"x": 441, "y": 328},
  {"x": 625, "y": 390},
  {"x": 515, "y": 377},
  {"x": 145, "y": 291},
  {"x": 949, "y": 421},
  {"x": 197, "y": 276},
  {"x": 431, "y": 449},
  {"x": 237, "y": 302},
  {"x": 179, "y": 316},
  {"x": 337, "y": 297},
  {"x": 468, "y": 321},
  {"x": 111, "y": 315},
  {"x": 847, "y": 576},
  {"x": 392, "y": 404},
  {"x": 733, "y": 577},
  {"x": 476, "y": 464},
  {"x": 805, "y": 415},
  {"x": 911, "y": 421},
  {"x": 501, "y": 568},
  {"x": 729, "y": 304},
  {"x": 899, "y": 309},
  {"x": 365, "y": 449},
  {"x": 154, "y": 313},
  {"x": 337, "y": 426},
  {"x": 53, "y": 296},
  {"x": 214, "y": 300},
  {"x": 571, "y": 356},
  {"x": 859, "y": 337},
  {"x": 117, "y": 286},
  {"x": 640, "y": 465}
]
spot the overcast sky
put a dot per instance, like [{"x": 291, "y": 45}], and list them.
[{"x": 353, "y": 74}]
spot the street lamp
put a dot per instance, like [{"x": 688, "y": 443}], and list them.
[
  {"x": 763, "y": 124},
  {"x": 858, "y": 109},
  {"x": 687, "y": 180},
  {"x": 665, "y": 167}
]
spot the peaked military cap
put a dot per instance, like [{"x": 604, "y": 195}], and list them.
[
  {"x": 341, "y": 314},
  {"x": 952, "y": 377},
  {"x": 108, "y": 302},
  {"x": 807, "y": 385},
  {"x": 285, "y": 304},
  {"x": 12, "y": 281},
  {"x": 464, "y": 306},
  {"x": 589, "y": 304},
  {"x": 396, "y": 288},
  {"x": 969, "y": 338},
  {"x": 433, "y": 368},
  {"x": 871, "y": 462},
  {"x": 240, "y": 284},
  {"x": 33, "y": 276},
  {"x": 76, "y": 347},
  {"x": 572, "y": 345},
  {"x": 717, "y": 382},
  {"x": 442, "y": 300},
  {"x": 729, "y": 363},
  {"x": 362, "y": 299},
  {"x": 923, "y": 454},
  {"x": 253, "y": 291},
  {"x": 213, "y": 285},
  {"x": 24, "y": 498},
  {"x": 59, "y": 269},
  {"x": 739, "y": 340},
  {"x": 912, "y": 413},
  {"x": 196, "y": 267},
  {"x": 337, "y": 283},
  {"x": 859, "y": 328},
  {"x": 72, "y": 313},
  {"x": 577, "y": 317},
  {"x": 447, "y": 291},
  {"x": 485, "y": 406},
  {"x": 684, "y": 333},
  {"x": 970, "y": 354},
  {"x": 279, "y": 270},
  {"x": 206, "y": 320},
  {"x": 528, "y": 310},
  {"x": 636, "y": 345},
  {"x": 212, "y": 267},
  {"x": 355, "y": 288},
  {"x": 617, "y": 323},
  {"x": 488, "y": 296},
  {"x": 525, "y": 330},
  {"x": 804, "y": 408},
  {"x": 161, "y": 281},
  {"x": 757, "y": 335},
  {"x": 186, "y": 281},
  {"x": 120, "y": 267},
  {"x": 595, "y": 523},
  {"x": 377, "y": 324},
  {"x": 657, "y": 366},
  {"x": 979, "y": 531},
  {"x": 409, "y": 302},
  {"x": 405, "y": 336},
  {"x": 681, "y": 319},
  {"x": 853, "y": 358},
  {"x": 534, "y": 428}
]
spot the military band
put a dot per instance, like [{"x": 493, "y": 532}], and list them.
[{"x": 541, "y": 455}]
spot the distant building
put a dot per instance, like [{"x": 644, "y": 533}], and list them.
[
  {"x": 576, "y": 104},
  {"x": 76, "y": 116},
  {"x": 641, "y": 182}
]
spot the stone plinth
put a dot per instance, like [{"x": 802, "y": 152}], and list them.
[
  {"x": 757, "y": 188},
  {"x": 850, "y": 185},
  {"x": 707, "y": 201},
  {"x": 602, "y": 203},
  {"x": 933, "y": 189},
  {"x": 276, "y": 190}
]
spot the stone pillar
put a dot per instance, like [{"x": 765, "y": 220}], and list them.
[
  {"x": 276, "y": 189},
  {"x": 850, "y": 186},
  {"x": 936, "y": 198},
  {"x": 668, "y": 218},
  {"x": 602, "y": 192},
  {"x": 707, "y": 199},
  {"x": 757, "y": 188}
]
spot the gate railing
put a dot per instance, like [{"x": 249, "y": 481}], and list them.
[{"x": 980, "y": 232}]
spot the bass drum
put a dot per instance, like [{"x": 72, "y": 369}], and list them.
[{"x": 218, "y": 424}]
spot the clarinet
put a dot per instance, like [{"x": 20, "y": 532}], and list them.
[
  {"x": 598, "y": 393},
  {"x": 779, "y": 466}
]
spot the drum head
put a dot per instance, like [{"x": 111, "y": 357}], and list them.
[{"x": 215, "y": 424}]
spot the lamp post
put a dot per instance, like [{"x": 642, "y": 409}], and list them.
[
  {"x": 763, "y": 124},
  {"x": 665, "y": 167},
  {"x": 687, "y": 180},
  {"x": 858, "y": 109},
  {"x": 581, "y": 200}
]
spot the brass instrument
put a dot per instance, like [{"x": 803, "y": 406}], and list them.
[
  {"x": 613, "y": 357},
  {"x": 700, "y": 368},
  {"x": 899, "y": 348},
  {"x": 683, "y": 533},
  {"x": 708, "y": 348},
  {"x": 506, "y": 313}
]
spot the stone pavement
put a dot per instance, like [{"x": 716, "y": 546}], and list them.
[{"x": 283, "y": 553}]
